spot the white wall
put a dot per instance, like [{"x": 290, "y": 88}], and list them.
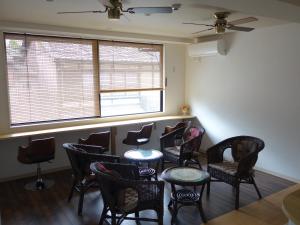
[
  {"x": 254, "y": 90},
  {"x": 174, "y": 97}
]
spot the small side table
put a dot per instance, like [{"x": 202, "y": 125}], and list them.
[
  {"x": 185, "y": 176},
  {"x": 145, "y": 155}
]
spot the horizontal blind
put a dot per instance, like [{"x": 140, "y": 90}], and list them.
[
  {"x": 130, "y": 66},
  {"x": 51, "y": 78}
]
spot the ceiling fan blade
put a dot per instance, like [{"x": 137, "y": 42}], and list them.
[
  {"x": 244, "y": 20},
  {"x": 201, "y": 24},
  {"x": 106, "y": 3},
  {"x": 245, "y": 29},
  {"x": 94, "y": 11},
  {"x": 150, "y": 10},
  {"x": 203, "y": 31}
]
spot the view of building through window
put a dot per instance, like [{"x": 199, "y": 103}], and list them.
[
  {"x": 130, "y": 78},
  {"x": 53, "y": 78}
]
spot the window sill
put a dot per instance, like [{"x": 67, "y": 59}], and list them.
[{"x": 91, "y": 126}]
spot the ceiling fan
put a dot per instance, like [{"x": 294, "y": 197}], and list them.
[
  {"x": 221, "y": 24},
  {"x": 114, "y": 9}
]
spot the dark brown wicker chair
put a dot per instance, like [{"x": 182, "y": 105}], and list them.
[
  {"x": 81, "y": 156},
  {"x": 139, "y": 137},
  {"x": 99, "y": 139},
  {"x": 38, "y": 151},
  {"x": 244, "y": 150},
  {"x": 124, "y": 194},
  {"x": 169, "y": 129},
  {"x": 179, "y": 145}
]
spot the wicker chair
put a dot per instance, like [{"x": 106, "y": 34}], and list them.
[
  {"x": 81, "y": 156},
  {"x": 139, "y": 137},
  {"x": 169, "y": 129},
  {"x": 244, "y": 150},
  {"x": 179, "y": 146},
  {"x": 99, "y": 139},
  {"x": 123, "y": 194}
]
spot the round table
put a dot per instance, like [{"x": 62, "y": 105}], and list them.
[
  {"x": 185, "y": 176},
  {"x": 145, "y": 156}
]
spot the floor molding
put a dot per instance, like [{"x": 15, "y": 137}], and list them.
[
  {"x": 278, "y": 175},
  {"x": 33, "y": 174}
]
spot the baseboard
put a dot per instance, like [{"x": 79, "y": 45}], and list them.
[
  {"x": 278, "y": 175},
  {"x": 32, "y": 174}
]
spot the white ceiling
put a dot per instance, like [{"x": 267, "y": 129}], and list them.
[{"x": 199, "y": 11}]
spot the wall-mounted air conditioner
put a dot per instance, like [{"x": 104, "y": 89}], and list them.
[{"x": 208, "y": 48}]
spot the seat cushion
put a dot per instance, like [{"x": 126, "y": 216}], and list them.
[
  {"x": 226, "y": 167},
  {"x": 127, "y": 199},
  {"x": 172, "y": 150},
  {"x": 100, "y": 167}
]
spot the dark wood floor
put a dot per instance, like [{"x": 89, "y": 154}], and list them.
[{"x": 21, "y": 207}]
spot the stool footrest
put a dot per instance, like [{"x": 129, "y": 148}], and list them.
[{"x": 186, "y": 196}]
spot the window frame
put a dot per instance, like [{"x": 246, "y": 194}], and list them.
[{"x": 96, "y": 69}]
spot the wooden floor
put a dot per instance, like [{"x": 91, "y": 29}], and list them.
[
  {"x": 21, "y": 207},
  {"x": 267, "y": 211}
]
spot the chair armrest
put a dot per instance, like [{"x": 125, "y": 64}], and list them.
[
  {"x": 96, "y": 157},
  {"x": 91, "y": 148},
  {"x": 215, "y": 153}
]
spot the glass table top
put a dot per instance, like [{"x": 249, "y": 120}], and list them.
[
  {"x": 143, "y": 154},
  {"x": 185, "y": 175}
]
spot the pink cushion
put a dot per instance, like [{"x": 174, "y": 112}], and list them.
[
  {"x": 194, "y": 132},
  {"x": 103, "y": 169}
]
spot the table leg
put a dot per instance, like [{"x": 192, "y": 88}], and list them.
[
  {"x": 156, "y": 169},
  {"x": 200, "y": 204},
  {"x": 174, "y": 204}
]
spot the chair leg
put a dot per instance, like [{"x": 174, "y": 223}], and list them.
[
  {"x": 256, "y": 188},
  {"x": 162, "y": 165},
  {"x": 160, "y": 217},
  {"x": 208, "y": 188},
  {"x": 72, "y": 190},
  {"x": 80, "y": 204},
  {"x": 237, "y": 195},
  {"x": 137, "y": 216},
  {"x": 201, "y": 211},
  {"x": 199, "y": 164}
]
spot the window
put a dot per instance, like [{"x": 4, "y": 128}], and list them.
[
  {"x": 130, "y": 78},
  {"x": 53, "y": 78}
]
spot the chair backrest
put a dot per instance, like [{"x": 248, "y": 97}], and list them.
[
  {"x": 169, "y": 129},
  {"x": 194, "y": 134},
  {"x": 111, "y": 182},
  {"x": 81, "y": 156},
  {"x": 143, "y": 133},
  {"x": 146, "y": 131},
  {"x": 99, "y": 139},
  {"x": 244, "y": 150},
  {"x": 242, "y": 146},
  {"x": 38, "y": 150}
]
